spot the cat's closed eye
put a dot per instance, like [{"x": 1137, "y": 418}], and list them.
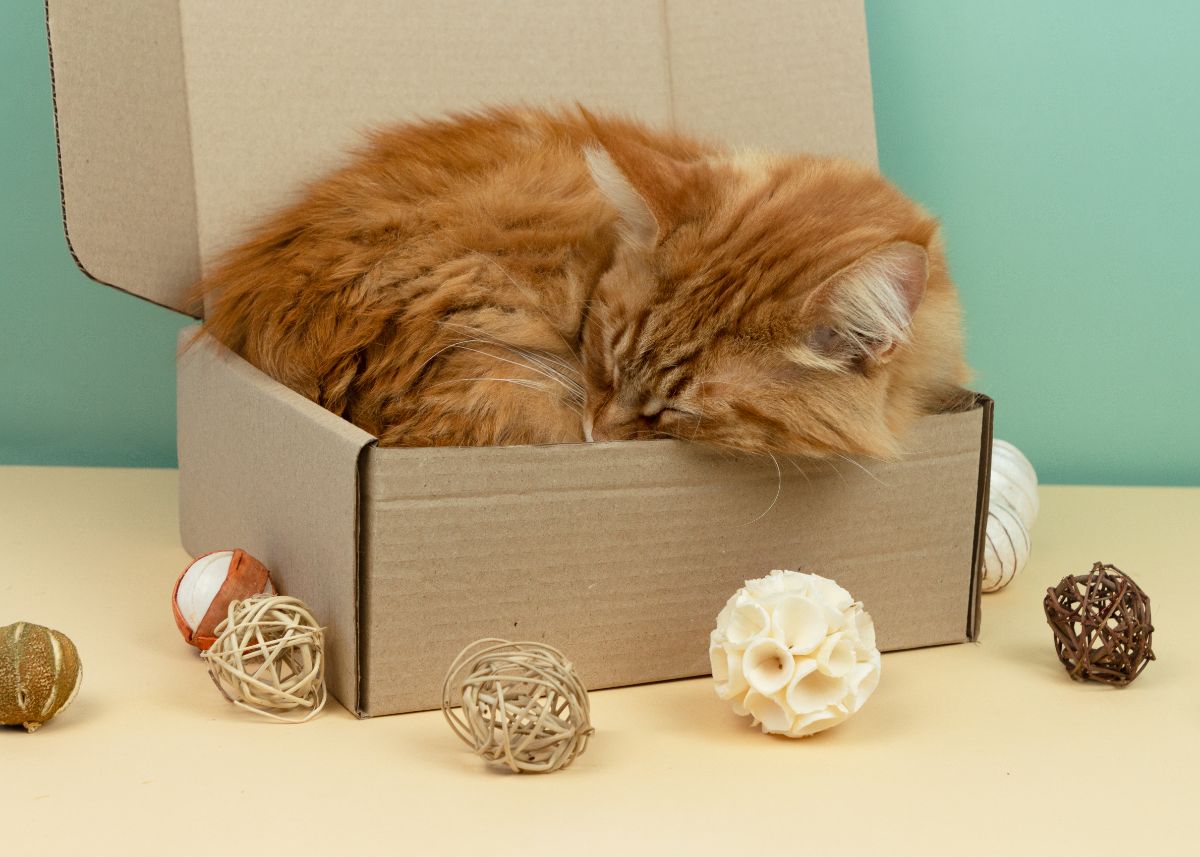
[
  {"x": 654, "y": 408},
  {"x": 658, "y": 411}
]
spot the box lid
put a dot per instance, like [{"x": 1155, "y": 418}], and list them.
[{"x": 181, "y": 122}]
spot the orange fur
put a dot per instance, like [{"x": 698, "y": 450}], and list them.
[{"x": 520, "y": 276}]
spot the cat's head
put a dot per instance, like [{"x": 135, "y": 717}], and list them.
[{"x": 786, "y": 304}]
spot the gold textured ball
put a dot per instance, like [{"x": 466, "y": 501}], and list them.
[
  {"x": 40, "y": 674},
  {"x": 269, "y": 658},
  {"x": 522, "y": 705}
]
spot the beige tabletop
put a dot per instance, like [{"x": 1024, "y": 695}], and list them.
[{"x": 981, "y": 748}]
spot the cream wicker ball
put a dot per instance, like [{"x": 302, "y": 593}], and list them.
[
  {"x": 518, "y": 704},
  {"x": 269, "y": 658}
]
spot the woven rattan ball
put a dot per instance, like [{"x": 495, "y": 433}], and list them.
[
  {"x": 1101, "y": 624},
  {"x": 269, "y": 658},
  {"x": 522, "y": 705}
]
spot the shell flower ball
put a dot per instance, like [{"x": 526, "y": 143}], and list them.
[{"x": 794, "y": 651}]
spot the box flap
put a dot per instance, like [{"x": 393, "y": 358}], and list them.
[
  {"x": 781, "y": 74},
  {"x": 264, "y": 469},
  {"x": 123, "y": 145},
  {"x": 180, "y": 123}
]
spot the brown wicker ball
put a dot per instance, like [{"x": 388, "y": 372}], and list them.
[{"x": 1101, "y": 624}]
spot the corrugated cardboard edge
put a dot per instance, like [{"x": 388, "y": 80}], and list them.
[
  {"x": 264, "y": 469},
  {"x": 360, "y": 673},
  {"x": 116, "y": 120},
  {"x": 975, "y": 609}
]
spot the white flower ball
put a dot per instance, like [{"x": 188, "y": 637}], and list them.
[{"x": 794, "y": 651}]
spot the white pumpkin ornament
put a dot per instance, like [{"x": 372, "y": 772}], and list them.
[
  {"x": 1012, "y": 509},
  {"x": 794, "y": 651},
  {"x": 1014, "y": 481}
]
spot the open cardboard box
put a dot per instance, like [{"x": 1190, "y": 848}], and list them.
[{"x": 179, "y": 122}]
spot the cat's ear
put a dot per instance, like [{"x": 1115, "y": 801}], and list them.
[
  {"x": 638, "y": 223},
  {"x": 651, "y": 191},
  {"x": 866, "y": 309}
]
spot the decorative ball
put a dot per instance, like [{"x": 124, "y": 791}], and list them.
[
  {"x": 522, "y": 705},
  {"x": 209, "y": 585},
  {"x": 1012, "y": 509},
  {"x": 269, "y": 658},
  {"x": 1006, "y": 547},
  {"x": 1014, "y": 481},
  {"x": 40, "y": 674},
  {"x": 795, "y": 652},
  {"x": 1101, "y": 625}
]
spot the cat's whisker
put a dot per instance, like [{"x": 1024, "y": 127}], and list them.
[
  {"x": 802, "y": 471},
  {"x": 833, "y": 467},
  {"x": 539, "y": 359},
  {"x": 417, "y": 373},
  {"x": 528, "y": 355},
  {"x": 863, "y": 469},
  {"x": 778, "y": 491},
  {"x": 528, "y": 366},
  {"x": 535, "y": 302},
  {"x": 520, "y": 382},
  {"x": 559, "y": 362},
  {"x": 571, "y": 384}
]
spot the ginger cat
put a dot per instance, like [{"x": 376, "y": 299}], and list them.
[{"x": 519, "y": 276}]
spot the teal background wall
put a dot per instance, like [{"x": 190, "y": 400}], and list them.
[
  {"x": 86, "y": 373},
  {"x": 1059, "y": 143}
]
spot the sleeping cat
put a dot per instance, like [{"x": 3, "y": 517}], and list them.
[{"x": 518, "y": 276}]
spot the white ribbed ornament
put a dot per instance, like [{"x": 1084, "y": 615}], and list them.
[
  {"x": 1012, "y": 510},
  {"x": 1014, "y": 481}
]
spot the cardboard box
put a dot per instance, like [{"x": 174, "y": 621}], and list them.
[{"x": 179, "y": 123}]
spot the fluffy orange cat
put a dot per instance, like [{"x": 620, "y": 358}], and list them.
[{"x": 517, "y": 276}]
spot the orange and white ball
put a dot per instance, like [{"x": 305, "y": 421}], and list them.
[{"x": 209, "y": 585}]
